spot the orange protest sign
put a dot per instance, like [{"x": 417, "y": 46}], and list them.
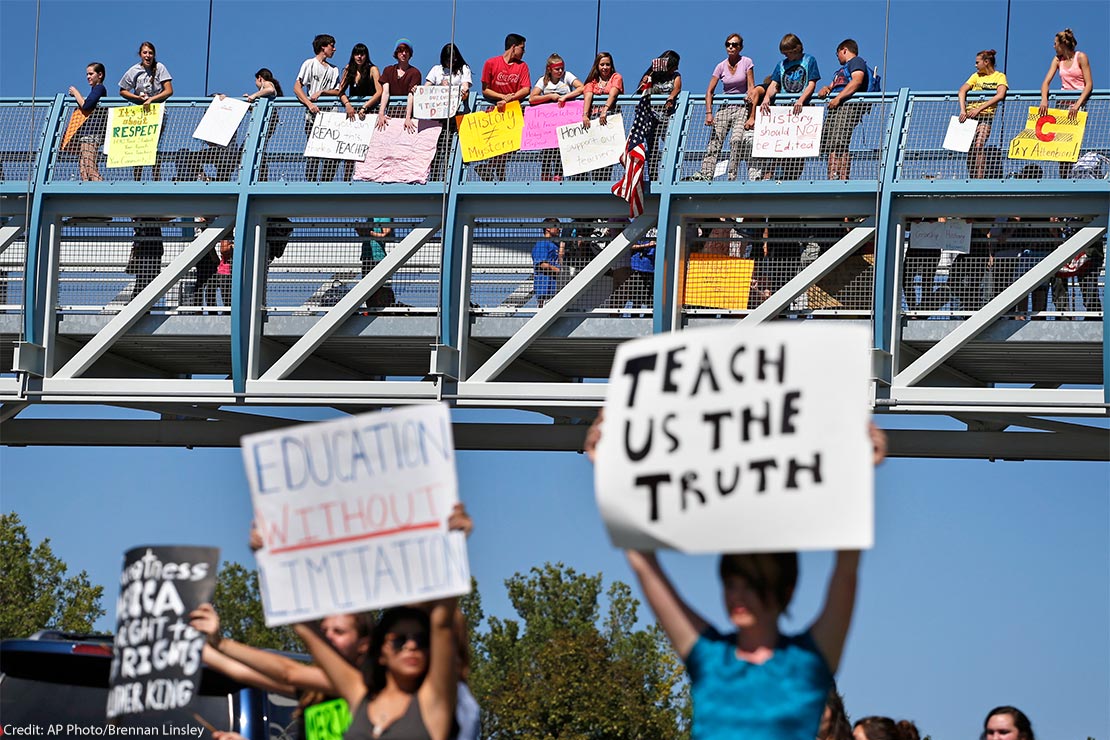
[{"x": 75, "y": 122}]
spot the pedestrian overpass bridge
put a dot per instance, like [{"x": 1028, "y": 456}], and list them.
[{"x": 108, "y": 296}]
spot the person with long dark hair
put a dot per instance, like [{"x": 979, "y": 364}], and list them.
[
  {"x": 92, "y": 131},
  {"x": 452, "y": 71},
  {"x": 359, "y": 79},
  {"x": 1007, "y": 723},
  {"x": 146, "y": 83}
]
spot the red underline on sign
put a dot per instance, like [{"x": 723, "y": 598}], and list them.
[{"x": 354, "y": 538}]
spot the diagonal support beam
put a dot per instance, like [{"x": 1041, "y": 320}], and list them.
[
  {"x": 1001, "y": 422},
  {"x": 818, "y": 269},
  {"x": 130, "y": 314},
  {"x": 348, "y": 304},
  {"x": 984, "y": 317},
  {"x": 8, "y": 234},
  {"x": 547, "y": 315}
]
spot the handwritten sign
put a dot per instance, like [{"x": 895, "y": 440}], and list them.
[
  {"x": 353, "y": 514},
  {"x": 542, "y": 122},
  {"x": 327, "y": 720},
  {"x": 221, "y": 120},
  {"x": 1053, "y": 137},
  {"x": 430, "y": 102},
  {"x": 399, "y": 156},
  {"x": 76, "y": 121},
  {"x": 156, "y": 656},
  {"x": 585, "y": 150},
  {"x": 738, "y": 440},
  {"x": 958, "y": 136},
  {"x": 488, "y": 133},
  {"x": 783, "y": 134},
  {"x": 953, "y": 235},
  {"x": 333, "y": 136},
  {"x": 132, "y": 135},
  {"x": 718, "y": 281}
]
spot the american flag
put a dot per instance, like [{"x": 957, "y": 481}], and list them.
[{"x": 631, "y": 186}]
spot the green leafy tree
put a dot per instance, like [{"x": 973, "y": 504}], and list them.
[
  {"x": 35, "y": 590},
  {"x": 563, "y": 672},
  {"x": 239, "y": 603}
]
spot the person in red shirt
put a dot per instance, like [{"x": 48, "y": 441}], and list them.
[{"x": 505, "y": 78}]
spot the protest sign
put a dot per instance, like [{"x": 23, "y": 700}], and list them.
[
  {"x": 953, "y": 235},
  {"x": 958, "y": 136},
  {"x": 488, "y": 133},
  {"x": 132, "y": 135},
  {"x": 156, "y": 658},
  {"x": 585, "y": 150},
  {"x": 399, "y": 156},
  {"x": 430, "y": 102},
  {"x": 738, "y": 440},
  {"x": 333, "y": 136},
  {"x": 221, "y": 120},
  {"x": 718, "y": 281},
  {"x": 541, "y": 124},
  {"x": 327, "y": 720},
  {"x": 353, "y": 514},
  {"x": 1053, "y": 137},
  {"x": 783, "y": 134},
  {"x": 76, "y": 121}
]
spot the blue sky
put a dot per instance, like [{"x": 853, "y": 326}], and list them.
[{"x": 989, "y": 583}]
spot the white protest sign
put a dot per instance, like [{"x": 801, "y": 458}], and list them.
[
  {"x": 959, "y": 136},
  {"x": 430, "y": 102},
  {"x": 739, "y": 440},
  {"x": 953, "y": 235},
  {"x": 783, "y": 134},
  {"x": 221, "y": 120},
  {"x": 353, "y": 513},
  {"x": 585, "y": 150},
  {"x": 334, "y": 136}
]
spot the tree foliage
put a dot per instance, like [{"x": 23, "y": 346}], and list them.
[
  {"x": 239, "y": 603},
  {"x": 35, "y": 589},
  {"x": 563, "y": 672}
]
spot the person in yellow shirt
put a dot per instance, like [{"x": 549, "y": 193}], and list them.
[{"x": 986, "y": 77}]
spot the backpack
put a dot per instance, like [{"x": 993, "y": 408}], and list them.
[{"x": 1092, "y": 166}]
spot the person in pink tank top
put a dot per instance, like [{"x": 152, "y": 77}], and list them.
[{"x": 1075, "y": 74}]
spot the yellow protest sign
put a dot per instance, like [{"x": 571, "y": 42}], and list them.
[
  {"x": 133, "y": 133},
  {"x": 718, "y": 281},
  {"x": 489, "y": 133},
  {"x": 1053, "y": 137},
  {"x": 75, "y": 122}
]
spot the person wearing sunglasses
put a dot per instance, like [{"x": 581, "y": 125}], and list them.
[{"x": 738, "y": 74}]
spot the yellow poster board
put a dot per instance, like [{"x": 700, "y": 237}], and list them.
[
  {"x": 718, "y": 281},
  {"x": 1053, "y": 137},
  {"x": 489, "y": 133},
  {"x": 75, "y": 122},
  {"x": 132, "y": 136}
]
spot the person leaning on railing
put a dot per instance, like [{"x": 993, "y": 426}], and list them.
[{"x": 146, "y": 83}]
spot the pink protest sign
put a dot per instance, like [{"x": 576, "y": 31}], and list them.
[
  {"x": 395, "y": 155},
  {"x": 542, "y": 122}
]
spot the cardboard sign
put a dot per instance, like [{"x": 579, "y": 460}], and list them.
[
  {"x": 399, "y": 156},
  {"x": 959, "y": 136},
  {"x": 739, "y": 440},
  {"x": 585, "y": 150},
  {"x": 781, "y": 134},
  {"x": 488, "y": 133},
  {"x": 953, "y": 235},
  {"x": 353, "y": 514},
  {"x": 132, "y": 135},
  {"x": 156, "y": 658},
  {"x": 542, "y": 122},
  {"x": 1053, "y": 137},
  {"x": 327, "y": 720},
  {"x": 76, "y": 121},
  {"x": 333, "y": 136},
  {"x": 221, "y": 120},
  {"x": 430, "y": 102},
  {"x": 718, "y": 281}
]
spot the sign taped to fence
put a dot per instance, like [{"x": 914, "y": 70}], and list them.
[
  {"x": 585, "y": 150},
  {"x": 398, "y": 155},
  {"x": 76, "y": 121},
  {"x": 1053, "y": 137},
  {"x": 334, "y": 136},
  {"x": 431, "y": 102},
  {"x": 542, "y": 122},
  {"x": 156, "y": 655},
  {"x": 718, "y": 281},
  {"x": 491, "y": 132},
  {"x": 353, "y": 513},
  {"x": 221, "y": 120},
  {"x": 953, "y": 235},
  {"x": 132, "y": 135},
  {"x": 739, "y": 440},
  {"x": 784, "y": 134}
]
